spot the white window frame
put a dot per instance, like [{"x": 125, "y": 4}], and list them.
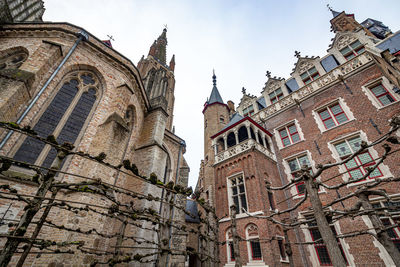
[
  {"x": 374, "y": 154},
  {"x": 286, "y": 259},
  {"x": 229, "y": 190},
  {"x": 285, "y": 162},
  {"x": 387, "y": 85},
  {"x": 250, "y": 238},
  {"x": 343, "y": 105},
  {"x": 313, "y": 254},
  {"x": 278, "y": 138},
  {"x": 8, "y": 212},
  {"x": 383, "y": 254}
]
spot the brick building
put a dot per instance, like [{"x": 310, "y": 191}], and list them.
[
  {"x": 320, "y": 114},
  {"x": 65, "y": 82}
]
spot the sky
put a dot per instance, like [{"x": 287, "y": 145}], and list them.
[{"x": 240, "y": 39}]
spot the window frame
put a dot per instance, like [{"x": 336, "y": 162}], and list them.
[
  {"x": 359, "y": 165},
  {"x": 231, "y": 196},
  {"x": 293, "y": 173},
  {"x": 248, "y": 111},
  {"x": 385, "y": 85},
  {"x": 387, "y": 93},
  {"x": 276, "y": 97},
  {"x": 82, "y": 88},
  {"x": 289, "y": 135},
  {"x": 310, "y": 76},
  {"x": 353, "y": 52},
  {"x": 282, "y": 250},
  {"x": 333, "y": 116},
  {"x": 253, "y": 239}
]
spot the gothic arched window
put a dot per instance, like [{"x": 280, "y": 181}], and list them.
[
  {"x": 13, "y": 60},
  {"x": 64, "y": 118}
]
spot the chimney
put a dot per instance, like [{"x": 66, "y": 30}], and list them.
[{"x": 231, "y": 107}]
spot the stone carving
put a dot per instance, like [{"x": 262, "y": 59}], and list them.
[
  {"x": 345, "y": 40},
  {"x": 304, "y": 66},
  {"x": 272, "y": 86},
  {"x": 252, "y": 230}
]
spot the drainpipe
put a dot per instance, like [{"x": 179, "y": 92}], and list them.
[
  {"x": 82, "y": 36},
  {"x": 182, "y": 145}
]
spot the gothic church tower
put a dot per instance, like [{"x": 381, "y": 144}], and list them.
[{"x": 158, "y": 77}]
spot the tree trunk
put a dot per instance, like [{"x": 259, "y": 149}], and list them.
[
  {"x": 382, "y": 236},
  {"x": 235, "y": 238},
  {"x": 323, "y": 225},
  {"x": 164, "y": 232},
  {"x": 288, "y": 248},
  {"x": 31, "y": 209}
]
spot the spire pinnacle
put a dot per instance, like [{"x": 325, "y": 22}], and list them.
[
  {"x": 214, "y": 79},
  {"x": 159, "y": 48},
  {"x": 334, "y": 13}
]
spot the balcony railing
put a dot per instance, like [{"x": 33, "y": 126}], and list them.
[
  {"x": 242, "y": 147},
  {"x": 314, "y": 86}
]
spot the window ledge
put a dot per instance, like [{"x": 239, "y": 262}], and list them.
[
  {"x": 242, "y": 215},
  {"x": 327, "y": 130},
  {"x": 367, "y": 181},
  {"x": 292, "y": 144},
  {"x": 391, "y": 104},
  {"x": 285, "y": 260}
]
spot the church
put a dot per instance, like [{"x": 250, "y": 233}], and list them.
[
  {"x": 322, "y": 113},
  {"x": 64, "y": 82}
]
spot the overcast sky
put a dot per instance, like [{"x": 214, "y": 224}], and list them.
[{"x": 240, "y": 39}]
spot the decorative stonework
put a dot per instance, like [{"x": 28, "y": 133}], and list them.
[
  {"x": 304, "y": 66},
  {"x": 344, "y": 40}
]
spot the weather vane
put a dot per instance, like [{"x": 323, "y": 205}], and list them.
[
  {"x": 297, "y": 54},
  {"x": 166, "y": 26},
  {"x": 329, "y": 7},
  {"x": 243, "y": 90},
  {"x": 110, "y": 37}
]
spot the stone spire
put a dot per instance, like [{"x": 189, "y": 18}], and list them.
[
  {"x": 215, "y": 96},
  {"x": 159, "y": 48},
  {"x": 334, "y": 13},
  {"x": 172, "y": 63}
]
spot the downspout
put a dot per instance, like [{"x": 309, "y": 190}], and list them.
[
  {"x": 82, "y": 36},
  {"x": 182, "y": 145}
]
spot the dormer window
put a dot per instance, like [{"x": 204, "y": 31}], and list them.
[
  {"x": 352, "y": 50},
  {"x": 248, "y": 111},
  {"x": 275, "y": 95},
  {"x": 309, "y": 76}
]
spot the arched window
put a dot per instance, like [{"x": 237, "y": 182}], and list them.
[
  {"x": 231, "y": 139},
  {"x": 64, "y": 118},
  {"x": 267, "y": 144},
  {"x": 150, "y": 81},
  {"x": 13, "y": 60},
  {"x": 259, "y": 138},
  {"x": 229, "y": 246},
  {"x": 253, "y": 136},
  {"x": 243, "y": 135},
  {"x": 220, "y": 145},
  {"x": 130, "y": 116},
  {"x": 253, "y": 243}
]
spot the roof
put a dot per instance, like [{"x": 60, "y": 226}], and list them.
[
  {"x": 215, "y": 96},
  {"x": 191, "y": 207},
  {"x": 261, "y": 103},
  {"x": 234, "y": 119},
  {"x": 392, "y": 43}
]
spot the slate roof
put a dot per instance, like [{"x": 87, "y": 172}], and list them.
[
  {"x": 261, "y": 103},
  {"x": 235, "y": 118},
  {"x": 215, "y": 96},
  {"x": 392, "y": 43},
  {"x": 191, "y": 207}
]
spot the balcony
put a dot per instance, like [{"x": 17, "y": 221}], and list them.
[{"x": 240, "y": 148}]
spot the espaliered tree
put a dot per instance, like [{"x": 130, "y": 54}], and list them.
[
  {"x": 325, "y": 214},
  {"x": 24, "y": 237}
]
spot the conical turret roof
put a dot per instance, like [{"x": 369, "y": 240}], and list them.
[{"x": 215, "y": 96}]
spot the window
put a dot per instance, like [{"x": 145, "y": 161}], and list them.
[
  {"x": 393, "y": 212},
  {"x": 333, "y": 116},
  {"x": 248, "y": 111},
  {"x": 320, "y": 247},
  {"x": 276, "y": 95},
  {"x": 357, "y": 166},
  {"x": 229, "y": 246},
  {"x": 309, "y": 76},
  {"x": 13, "y": 60},
  {"x": 253, "y": 243},
  {"x": 221, "y": 119},
  {"x": 271, "y": 200},
  {"x": 289, "y": 135},
  {"x": 238, "y": 193},
  {"x": 231, "y": 251},
  {"x": 63, "y": 118},
  {"x": 382, "y": 94},
  {"x": 295, "y": 166},
  {"x": 282, "y": 250},
  {"x": 352, "y": 50}
]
